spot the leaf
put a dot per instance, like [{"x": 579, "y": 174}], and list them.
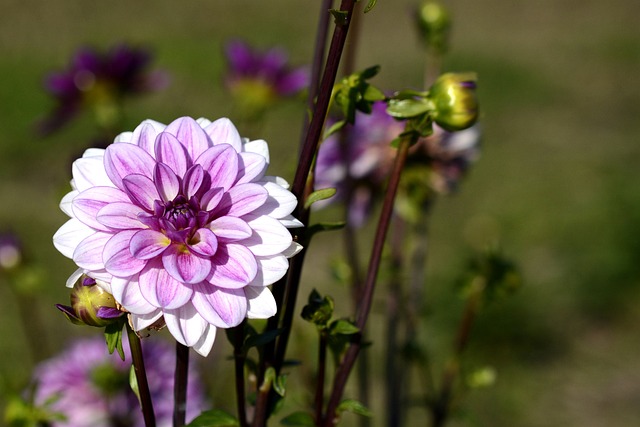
[
  {"x": 407, "y": 108},
  {"x": 339, "y": 16},
  {"x": 261, "y": 339},
  {"x": 214, "y": 418},
  {"x": 370, "y": 72},
  {"x": 343, "y": 327},
  {"x": 133, "y": 383},
  {"x": 113, "y": 337},
  {"x": 353, "y": 406},
  {"x": 323, "y": 226},
  {"x": 370, "y": 6},
  {"x": 334, "y": 128},
  {"x": 318, "y": 195},
  {"x": 373, "y": 94},
  {"x": 298, "y": 419}
]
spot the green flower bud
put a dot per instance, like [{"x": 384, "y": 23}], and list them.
[
  {"x": 434, "y": 23},
  {"x": 455, "y": 101},
  {"x": 90, "y": 305}
]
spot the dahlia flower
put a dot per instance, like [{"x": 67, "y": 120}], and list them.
[
  {"x": 98, "y": 79},
  {"x": 180, "y": 224},
  {"x": 90, "y": 387}
]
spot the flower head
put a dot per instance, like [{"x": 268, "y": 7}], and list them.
[
  {"x": 179, "y": 222},
  {"x": 455, "y": 100},
  {"x": 90, "y": 305},
  {"x": 100, "y": 80},
  {"x": 256, "y": 79},
  {"x": 90, "y": 387}
]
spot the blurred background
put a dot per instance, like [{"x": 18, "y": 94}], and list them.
[{"x": 556, "y": 185}]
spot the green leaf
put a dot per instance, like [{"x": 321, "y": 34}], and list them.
[
  {"x": 370, "y": 6},
  {"x": 370, "y": 72},
  {"x": 323, "y": 226},
  {"x": 353, "y": 406},
  {"x": 339, "y": 16},
  {"x": 318, "y": 310},
  {"x": 298, "y": 419},
  {"x": 133, "y": 383},
  {"x": 113, "y": 336},
  {"x": 214, "y": 418},
  {"x": 343, "y": 327},
  {"x": 261, "y": 339},
  {"x": 407, "y": 108},
  {"x": 318, "y": 195},
  {"x": 334, "y": 128},
  {"x": 373, "y": 94}
]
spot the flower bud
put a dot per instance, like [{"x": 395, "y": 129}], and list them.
[
  {"x": 90, "y": 304},
  {"x": 433, "y": 23},
  {"x": 455, "y": 101}
]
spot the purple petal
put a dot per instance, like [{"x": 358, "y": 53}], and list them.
[
  {"x": 166, "y": 181},
  {"x": 147, "y": 244},
  {"x": 234, "y": 266},
  {"x": 211, "y": 199},
  {"x": 108, "y": 313},
  {"x": 251, "y": 167},
  {"x": 222, "y": 131},
  {"x": 185, "y": 266},
  {"x": 190, "y": 134},
  {"x": 127, "y": 292},
  {"x": 124, "y": 159},
  {"x": 141, "y": 190},
  {"x": 145, "y": 135},
  {"x": 293, "y": 82},
  {"x": 230, "y": 229},
  {"x": 224, "y": 308},
  {"x": 121, "y": 216},
  {"x": 204, "y": 242},
  {"x": 242, "y": 199},
  {"x": 162, "y": 290},
  {"x": 88, "y": 203},
  {"x": 172, "y": 153},
  {"x": 193, "y": 180},
  {"x": 117, "y": 256},
  {"x": 88, "y": 254},
  {"x": 221, "y": 163}
]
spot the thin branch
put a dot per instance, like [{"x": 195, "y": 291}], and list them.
[
  {"x": 141, "y": 376},
  {"x": 239, "y": 359},
  {"x": 322, "y": 365},
  {"x": 180, "y": 385}
]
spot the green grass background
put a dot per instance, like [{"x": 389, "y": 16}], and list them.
[{"x": 557, "y": 184}]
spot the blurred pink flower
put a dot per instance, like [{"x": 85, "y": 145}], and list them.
[{"x": 179, "y": 222}]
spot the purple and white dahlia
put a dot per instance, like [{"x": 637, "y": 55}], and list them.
[{"x": 180, "y": 222}]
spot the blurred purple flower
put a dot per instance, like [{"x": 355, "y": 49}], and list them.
[
  {"x": 90, "y": 387},
  {"x": 180, "y": 224},
  {"x": 95, "y": 77},
  {"x": 257, "y": 78},
  {"x": 365, "y": 161},
  {"x": 10, "y": 251}
]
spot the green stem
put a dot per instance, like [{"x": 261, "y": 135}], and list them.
[
  {"x": 180, "y": 385},
  {"x": 141, "y": 376}
]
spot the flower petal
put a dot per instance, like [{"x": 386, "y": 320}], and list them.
[
  {"x": 193, "y": 180},
  {"x": 185, "y": 324},
  {"x": 281, "y": 202},
  {"x": 230, "y": 229},
  {"x": 171, "y": 152},
  {"x": 65, "y": 203},
  {"x": 88, "y": 203},
  {"x": 222, "y": 131},
  {"x": 190, "y": 135},
  {"x": 145, "y": 134},
  {"x": 121, "y": 216},
  {"x": 261, "y": 303},
  {"x": 141, "y": 321},
  {"x": 141, "y": 191},
  {"x": 127, "y": 292},
  {"x": 269, "y": 236},
  {"x": 221, "y": 163},
  {"x": 270, "y": 270},
  {"x": 117, "y": 256},
  {"x": 147, "y": 244},
  {"x": 69, "y": 236},
  {"x": 121, "y": 160},
  {"x": 204, "y": 344},
  {"x": 259, "y": 146},
  {"x": 185, "y": 266},
  {"x": 162, "y": 290},
  {"x": 234, "y": 266},
  {"x": 166, "y": 181},
  {"x": 251, "y": 167},
  {"x": 89, "y": 172},
  {"x": 88, "y": 253},
  {"x": 204, "y": 242},
  {"x": 224, "y": 308},
  {"x": 242, "y": 199}
]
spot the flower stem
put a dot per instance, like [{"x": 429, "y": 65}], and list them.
[
  {"x": 180, "y": 385},
  {"x": 322, "y": 365},
  {"x": 239, "y": 358},
  {"x": 141, "y": 376},
  {"x": 366, "y": 299}
]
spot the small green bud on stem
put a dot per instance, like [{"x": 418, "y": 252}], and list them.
[
  {"x": 455, "y": 101},
  {"x": 90, "y": 305}
]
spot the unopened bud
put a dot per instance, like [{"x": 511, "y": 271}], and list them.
[
  {"x": 455, "y": 101},
  {"x": 434, "y": 23},
  {"x": 90, "y": 305}
]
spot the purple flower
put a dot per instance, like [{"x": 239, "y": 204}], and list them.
[
  {"x": 367, "y": 157},
  {"x": 90, "y": 387},
  {"x": 10, "y": 251},
  {"x": 180, "y": 222},
  {"x": 98, "y": 78},
  {"x": 258, "y": 78}
]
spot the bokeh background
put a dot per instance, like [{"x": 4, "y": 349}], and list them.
[{"x": 557, "y": 185}]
